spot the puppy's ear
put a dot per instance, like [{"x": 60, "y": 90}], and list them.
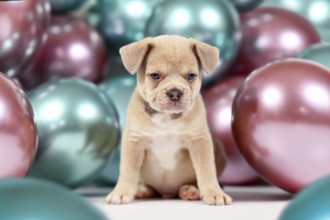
[
  {"x": 133, "y": 54},
  {"x": 206, "y": 54}
]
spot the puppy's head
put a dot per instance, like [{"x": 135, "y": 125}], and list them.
[{"x": 169, "y": 70}]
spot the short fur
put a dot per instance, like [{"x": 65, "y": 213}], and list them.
[{"x": 166, "y": 145}]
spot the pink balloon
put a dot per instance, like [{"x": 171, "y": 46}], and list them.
[
  {"x": 23, "y": 26},
  {"x": 271, "y": 34},
  {"x": 18, "y": 132},
  {"x": 281, "y": 122},
  {"x": 218, "y": 100},
  {"x": 72, "y": 49}
]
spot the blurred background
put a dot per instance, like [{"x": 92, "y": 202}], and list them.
[{"x": 64, "y": 91}]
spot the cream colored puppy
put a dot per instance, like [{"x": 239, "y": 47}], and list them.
[{"x": 166, "y": 144}]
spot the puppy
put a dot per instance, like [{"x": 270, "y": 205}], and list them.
[{"x": 166, "y": 144}]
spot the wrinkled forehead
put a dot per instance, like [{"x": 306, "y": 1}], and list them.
[{"x": 172, "y": 56}]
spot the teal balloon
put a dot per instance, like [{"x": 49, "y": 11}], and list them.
[
  {"x": 215, "y": 22},
  {"x": 316, "y": 11},
  {"x": 312, "y": 203},
  {"x": 120, "y": 89},
  {"x": 319, "y": 53},
  {"x": 32, "y": 199},
  {"x": 122, "y": 21},
  {"x": 78, "y": 130},
  {"x": 65, "y": 6}
]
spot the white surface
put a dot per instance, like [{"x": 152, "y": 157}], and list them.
[{"x": 250, "y": 203}]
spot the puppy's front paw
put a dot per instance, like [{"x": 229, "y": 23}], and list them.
[
  {"x": 215, "y": 196},
  {"x": 119, "y": 197}
]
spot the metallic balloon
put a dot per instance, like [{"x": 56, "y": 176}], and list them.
[
  {"x": 218, "y": 100},
  {"x": 23, "y": 24},
  {"x": 271, "y": 34},
  {"x": 72, "y": 49},
  {"x": 65, "y": 6},
  {"x": 123, "y": 21},
  {"x": 29, "y": 198},
  {"x": 316, "y": 11},
  {"x": 319, "y": 53},
  {"x": 78, "y": 129},
  {"x": 311, "y": 203},
  {"x": 281, "y": 117},
  {"x": 18, "y": 132},
  {"x": 120, "y": 89},
  {"x": 215, "y": 22},
  {"x": 246, "y": 5}
]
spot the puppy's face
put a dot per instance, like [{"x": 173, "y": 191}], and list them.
[{"x": 169, "y": 70}]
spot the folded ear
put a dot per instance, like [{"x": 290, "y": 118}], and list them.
[
  {"x": 206, "y": 54},
  {"x": 133, "y": 54}
]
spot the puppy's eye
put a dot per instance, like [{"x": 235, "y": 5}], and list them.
[
  {"x": 154, "y": 76},
  {"x": 191, "y": 77}
]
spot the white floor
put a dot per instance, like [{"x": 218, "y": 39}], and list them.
[{"x": 251, "y": 203}]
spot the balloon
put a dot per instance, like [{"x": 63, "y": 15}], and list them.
[
  {"x": 271, "y": 34},
  {"x": 215, "y": 22},
  {"x": 29, "y": 198},
  {"x": 23, "y": 24},
  {"x": 311, "y": 203},
  {"x": 319, "y": 53},
  {"x": 72, "y": 49},
  {"x": 218, "y": 100},
  {"x": 65, "y": 6},
  {"x": 122, "y": 21},
  {"x": 18, "y": 132},
  {"x": 246, "y": 5},
  {"x": 78, "y": 130},
  {"x": 281, "y": 117},
  {"x": 316, "y": 11},
  {"x": 120, "y": 89}
]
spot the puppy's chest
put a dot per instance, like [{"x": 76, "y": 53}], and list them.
[{"x": 166, "y": 142}]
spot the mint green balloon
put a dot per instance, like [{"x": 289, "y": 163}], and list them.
[
  {"x": 215, "y": 22},
  {"x": 316, "y": 11},
  {"x": 78, "y": 129},
  {"x": 319, "y": 53},
  {"x": 32, "y": 199},
  {"x": 120, "y": 89},
  {"x": 312, "y": 203}
]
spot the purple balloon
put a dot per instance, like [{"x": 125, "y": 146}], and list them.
[
  {"x": 18, "y": 132},
  {"x": 281, "y": 118},
  {"x": 218, "y": 100},
  {"x": 271, "y": 34},
  {"x": 23, "y": 24},
  {"x": 72, "y": 49}
]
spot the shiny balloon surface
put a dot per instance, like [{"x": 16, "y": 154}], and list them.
[
  {"x": 218, "y": 101},
  {"x": 72, "y": 49},
  {"x": 78, "y": 130},
  {"x": 311, "y": 203},
  {"x": 215, "y": 22},
  {"x": 120, "y": 89},
  {"x": 23, "y": 25},
  {"x": 316, "y": 11},
  {"x": 122, "y": 21},
  {"x": 65, "y": 6},
  {"x": 281, "y": 117},
  {"x": 18, "y": 131},
  {"x": 246, "y": 5},
  {"x": 319, "y": 53},
  {"x": 28, "y": 198},
  {"x": 271, "y": 34}
]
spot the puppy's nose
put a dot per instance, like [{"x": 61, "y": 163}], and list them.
[{"x": 174, "y": 94}]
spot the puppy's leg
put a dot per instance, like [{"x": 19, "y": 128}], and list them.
[
  {"x": 132, "y": 155},
  {"x": 189, "y": 192},
  {"x": 145, "y": 191},
  {"x": 203, "y": 159}
]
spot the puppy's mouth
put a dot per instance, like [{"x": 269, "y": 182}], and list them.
[{"x": 172, "y": 101}]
